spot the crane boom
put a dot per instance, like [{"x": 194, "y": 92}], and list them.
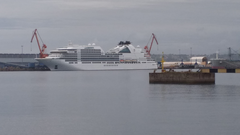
[
  {"x": 146, "y": 47},
  {"x": 42, "y": 50}
]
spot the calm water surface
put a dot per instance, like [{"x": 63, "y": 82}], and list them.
[{"x": 115, "y": 103}]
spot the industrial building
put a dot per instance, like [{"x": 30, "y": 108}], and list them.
[{"x": 19, "y": 60}]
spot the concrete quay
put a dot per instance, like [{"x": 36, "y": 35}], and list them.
[
  {"x": 182, "y": 78},
  {"x": 24, "y": 69}
]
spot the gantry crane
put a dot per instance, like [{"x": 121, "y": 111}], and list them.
[
  {"x": 146, "y": 47},
  {"x": 42, "y": 49}
]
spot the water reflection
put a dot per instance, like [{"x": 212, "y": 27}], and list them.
[{"x": 210, "y": 92}]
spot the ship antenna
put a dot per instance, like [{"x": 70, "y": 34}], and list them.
[{"x": 70, "y": 43}]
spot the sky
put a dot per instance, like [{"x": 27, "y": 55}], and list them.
[{"x": 206, "y": 26}]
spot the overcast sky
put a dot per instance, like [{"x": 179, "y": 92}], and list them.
[{"x": 203, "y": 25}]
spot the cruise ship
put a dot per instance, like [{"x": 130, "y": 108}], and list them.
[{"x": 92, "y": 57}]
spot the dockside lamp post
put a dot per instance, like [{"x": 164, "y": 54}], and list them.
[
  {"x": 22, "y": 53},
  {"x": 163, "y": 63}
]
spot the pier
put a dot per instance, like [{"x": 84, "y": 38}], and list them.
[
  {"x": 182, "y": 78},
  {"x": 203, "y": 76}
]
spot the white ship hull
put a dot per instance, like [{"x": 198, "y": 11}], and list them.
[{"x": 61, "y": 65}]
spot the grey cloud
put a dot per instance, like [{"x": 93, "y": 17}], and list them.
[{"x": 199, "y": 24}]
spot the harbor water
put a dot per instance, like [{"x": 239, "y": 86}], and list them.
[{"x": 115, "y": 103}]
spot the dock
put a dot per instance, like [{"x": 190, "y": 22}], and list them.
[
  {"x": 203, "y": 76},
  {"x": 182, "y": 78}
]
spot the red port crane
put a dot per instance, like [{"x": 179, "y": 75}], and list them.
[
  {"x": 146, "y": 47},
  {"x": 42, "y": 49}
]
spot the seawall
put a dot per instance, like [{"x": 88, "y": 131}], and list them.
[{"x": 182, "y": 78}]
